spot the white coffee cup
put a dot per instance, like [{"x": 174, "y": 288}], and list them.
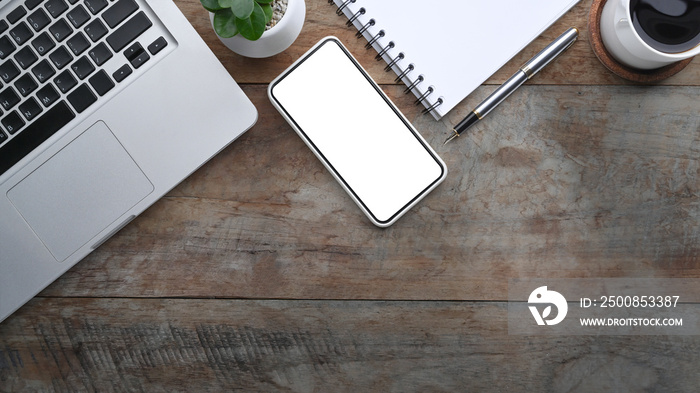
[{"x": 625, "y": 44}]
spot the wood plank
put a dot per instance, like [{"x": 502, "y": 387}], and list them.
[
  {"x": 578, "y": 66},
  {"x": 317, "y": 346},
  {"x": 560, "y": 181}
]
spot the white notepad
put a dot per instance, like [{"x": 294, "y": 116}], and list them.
[{"x": 455, "y": 46}]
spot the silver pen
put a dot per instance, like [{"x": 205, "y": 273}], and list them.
[{"x": 527, "y": 71}]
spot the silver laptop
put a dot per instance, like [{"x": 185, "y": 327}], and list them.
[{"x": 105, "y": 105}]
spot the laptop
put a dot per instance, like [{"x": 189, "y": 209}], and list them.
[{"x": 105, "y": 105}]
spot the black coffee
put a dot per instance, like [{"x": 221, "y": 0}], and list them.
[{"x": 670, "y": 26}]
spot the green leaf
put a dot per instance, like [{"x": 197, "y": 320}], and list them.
[
  {"x": 253, "y": 27},
  {"x": 211, "y": 5},
  {"x": 267, "y": 9},
  {"x": 225, "y": 3},
  {"x": 261, "y": 2},
  {"x": 242, "y": 8},
  {"x": 224, "y": 23}
]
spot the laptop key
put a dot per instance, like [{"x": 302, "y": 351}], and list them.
[
  {"x": 117, "y": 13},
  {"x": 16, "y": 14},
  {"x": 128, "y": 31},
  {"x": 65, "y": 81},
  {"x": 78, "y": 43},
  {"x": 95, "y": 6},
  {"x": 26, "y": 85},
  {"x": 100, "y": 53},
  {"x": 78, "y": 16},
  {"x": 34, "y": 135},
  {"x": 31, "y": 4},
  {"x": 81, "y": 98},
  {"x": 8, "y": 98},
  {"x": 6, "y": 47},
  {"x": 3, "y": 137},
  {"x": 157, "y": 45},
  {"x": 38, "y": 19},
  {"x": 30, "y": 109},
  {"x": 43, "y": 43},
  {"x": 56, "y": 7},
  {"x": 26, "y": 57},
  {"x": 8, "y": 71},
  {"x": 140, "y": 59},
  {"x": 60, "y": 57},
  {"x": 82, "y": 68},
  {"x": 60, "y": 30},
  {"x": 101, "y": 82},
  {"x": 121, "y": 74},
  {"x": 133, "y": 51},
  {"x": 43, "y": 71},
  {"x": 12, "y": 122},
  {"x": 21, "y": 33},
  {"x": 95, "y": 30},
  {"x": 47, "y": 95}
]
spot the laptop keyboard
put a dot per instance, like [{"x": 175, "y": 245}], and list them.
[{"x": 60, "y": 57}]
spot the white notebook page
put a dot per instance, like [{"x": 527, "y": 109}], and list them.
[{"x": 455, "y": 45}]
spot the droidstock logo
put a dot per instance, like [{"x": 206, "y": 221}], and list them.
[{"x": 541, "y": 296}]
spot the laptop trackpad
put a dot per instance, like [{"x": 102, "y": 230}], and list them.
[{"x": 80, "y": 191}]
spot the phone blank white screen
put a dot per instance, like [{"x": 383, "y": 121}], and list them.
[{"x": 372, "y": 150}]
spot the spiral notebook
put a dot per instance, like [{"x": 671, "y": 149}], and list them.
[{"x": 443, "y": 51}]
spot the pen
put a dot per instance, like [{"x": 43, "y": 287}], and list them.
[{"x": 527, "y": 71}]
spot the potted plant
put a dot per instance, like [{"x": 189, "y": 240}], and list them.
[{"x": 256, "y": 28}]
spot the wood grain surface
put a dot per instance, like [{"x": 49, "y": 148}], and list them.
[
  {"x": 258, "y": 273},
  {"x": 166, "y": 345}
]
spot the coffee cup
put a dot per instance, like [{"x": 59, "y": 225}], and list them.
[{"x": 650, "y": 34}]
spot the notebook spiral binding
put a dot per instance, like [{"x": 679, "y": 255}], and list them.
[{"x": 403, "y": 73}]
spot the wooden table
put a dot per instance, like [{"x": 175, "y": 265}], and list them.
[{"x": 258, "y": 273}]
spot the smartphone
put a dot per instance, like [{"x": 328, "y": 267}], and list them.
[{"x": 359, "y": 135}]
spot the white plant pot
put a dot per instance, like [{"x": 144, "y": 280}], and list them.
[{"x": 273, "y": 41}]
